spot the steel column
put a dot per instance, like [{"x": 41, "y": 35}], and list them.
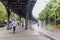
[
  {"x": 8, "y": 17},
  {"x": 26, "y": 22}
]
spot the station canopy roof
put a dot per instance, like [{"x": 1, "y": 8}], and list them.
[{"x": 21, "y": 7}]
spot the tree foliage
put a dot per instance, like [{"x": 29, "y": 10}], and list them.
[
  {"x": 2, "y": 12},
  {"x": 52, "y": 11}
]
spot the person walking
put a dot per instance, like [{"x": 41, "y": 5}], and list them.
[
  {"x": 38, "y": 24},
  {"x": 22, "y": 25},
  {"x": 14, "y": 23},
  {"x": 10, "y": 25}
]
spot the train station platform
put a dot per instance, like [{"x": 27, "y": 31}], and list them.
[
  {"x": 52, "y": 34},
  {"x": 21, "y": 34}
]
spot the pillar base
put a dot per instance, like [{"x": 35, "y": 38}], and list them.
[
  {"x": 7, "y": 28},
  {"x": 26, "y": 28}
]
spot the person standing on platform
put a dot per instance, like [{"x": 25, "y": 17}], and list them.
[
  {"x": 38, "y": 24},
  {"x": 22, "y": 25},
  {"x": 14, "y": 23},
  {"x": 10, "y": 25}
]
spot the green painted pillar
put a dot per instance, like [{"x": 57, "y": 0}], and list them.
[
  {"x": 8, "y": 14},
  {"x": 8, "y": 19},
  {"x": 20, "y": 21},
  {"x": 26, "y": 22}
]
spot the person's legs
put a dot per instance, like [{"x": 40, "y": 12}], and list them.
[{"x": 14, "y": 29}]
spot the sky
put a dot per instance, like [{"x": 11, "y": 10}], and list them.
[{"x": 39, "y": 6}]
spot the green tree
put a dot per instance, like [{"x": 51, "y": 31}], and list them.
[
  {"x": 2, "y": 12},
  {"x": 51, "y": 11}
]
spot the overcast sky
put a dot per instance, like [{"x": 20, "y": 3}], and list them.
[{"x": 39, "y": 6}]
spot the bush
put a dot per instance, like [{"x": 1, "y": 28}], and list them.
[{"x": 49, "y": 26}]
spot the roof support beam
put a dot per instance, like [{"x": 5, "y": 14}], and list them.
[{"x": 26, "y": 20}]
